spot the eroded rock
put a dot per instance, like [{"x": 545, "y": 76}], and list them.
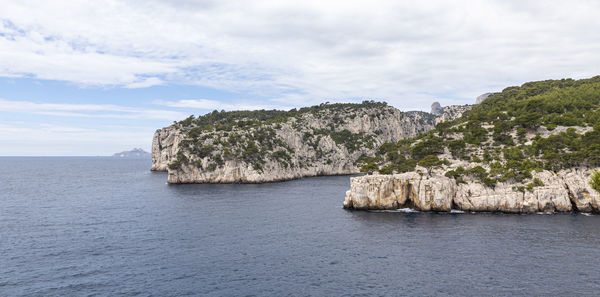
[{"x": 567, "y": 190}]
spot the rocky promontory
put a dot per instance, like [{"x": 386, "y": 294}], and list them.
[
  {"x": 272, "y": 145},
  {"x": 566, "y": 190},
  {"x": 531, "y": 148}
]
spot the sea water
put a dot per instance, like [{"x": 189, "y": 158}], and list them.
[{"x": 110, "y": 227}]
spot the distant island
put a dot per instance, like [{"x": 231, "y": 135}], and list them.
[{"x": 134, "y": 153}]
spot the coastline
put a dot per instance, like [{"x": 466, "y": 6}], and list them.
[{"x": 565, "y": 191}]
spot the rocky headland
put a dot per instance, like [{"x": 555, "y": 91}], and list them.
[
  {"x": 530, "y": 148},
  {"x": 271, "y": 145},
  {"x": 564, "y": 191},
  {"x": 533, "y": 148}
]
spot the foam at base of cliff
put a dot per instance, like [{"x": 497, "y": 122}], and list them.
[{"x": 567, "y": 190}]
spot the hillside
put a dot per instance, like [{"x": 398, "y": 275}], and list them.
[
  {"x": 525, "y": 142},
  {"x": 272, "y": 145}
]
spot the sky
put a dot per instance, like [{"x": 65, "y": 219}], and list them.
[{"x": 99, "y": 77}]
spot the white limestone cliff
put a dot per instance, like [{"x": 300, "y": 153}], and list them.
[
  {"x": 566, "y": 190},
  {"x": 310, "y": 154},
  {"x": 165, "y": 145}
]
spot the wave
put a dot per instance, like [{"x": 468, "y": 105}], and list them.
[{"x": 405, "y": 210}]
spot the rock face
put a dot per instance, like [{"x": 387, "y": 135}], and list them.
[
  {"x": 324, "y": 142},
  {"x": 452, "y": 112},
  {"x": 482, "y": 97},
  {"x": 165, "y": 144},
  {"x": 436, "y": 109},
  {"x": 567, "y": 190}
]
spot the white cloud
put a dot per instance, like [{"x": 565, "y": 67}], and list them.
[
  {"x": 88, "y": 110},
  {"x": 308, "y": 51},
  {"x": 206, "y": 104},
  {"x": 144, "y": 83}
]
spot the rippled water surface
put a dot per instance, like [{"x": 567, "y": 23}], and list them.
[{"x": 105, "y": 227}]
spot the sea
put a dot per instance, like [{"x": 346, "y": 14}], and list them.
[{"x": 94, "y": 226}]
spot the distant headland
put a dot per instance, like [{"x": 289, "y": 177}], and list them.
[{"x": 134, "y": 153}]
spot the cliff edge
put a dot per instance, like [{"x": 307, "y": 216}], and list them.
[
  {"x": 271, "y": 145},
  {"x": 531, "y": 148},
  {"x": 567, "y": 190}
]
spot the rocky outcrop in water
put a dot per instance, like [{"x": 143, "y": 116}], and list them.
[
  {"x": 567, "y": 190},
  {"x": 265, "y": 146}
]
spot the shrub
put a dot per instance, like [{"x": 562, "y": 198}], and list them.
[
  {"x": 258, "y": 167},
  {"x": 204, "y": 151},
  {"x": 595, "y": 182},
  {"x": 387, "y": 147},
  {"x": 457, "y": 148},
  {"x": 369, "y": 168},
  {"x": 219, "y": 160},
  {"x": 228, "y": 154},
  {"x": 456, "y": 174},
  {"x": 175, "y": 165},
  {"x": 452, "y": 174},
  {"x": 428, "y": 147},
  {"x": 430, "y": 162},
  {"x": 550, "y": 127},
  {"x": 251, "y": 151},
  {"x": 281, "y": 155},
  {"x": 477, "y": 171},
  {"x": 489, "y": 182},
  {"x": 521, "y": 133},
  {"x": 188, "y": 121},
  {"x": 182, "y": 158},
  {"x": 537, "y": 182}
]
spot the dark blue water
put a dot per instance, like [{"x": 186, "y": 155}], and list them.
[{"x": 104, "y": 227}]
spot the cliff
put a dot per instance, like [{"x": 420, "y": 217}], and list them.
[
  {"x": 265, "y": 146},
  {"x": 567, "y": 190},
  {"x": 526, "y": 149}
]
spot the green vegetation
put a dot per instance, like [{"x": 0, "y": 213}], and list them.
[
  {"x": 595, "y": 180},
  {"x": 369, "y": 168},
  {"x": 252, "y": 136},
  {"x": 546, "y": 125},
  {"x": 396, "y": 157},
  {"x": 457, "y": 174},
  {"x": 175, "y": 164},
  {"x": 352, "y": 141},
  {"x": 430, "y": 162},
  {"x": 229, "y": 120},
  {"x": 507, "y": 135},
  {"x": 535, "y": 183}
]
